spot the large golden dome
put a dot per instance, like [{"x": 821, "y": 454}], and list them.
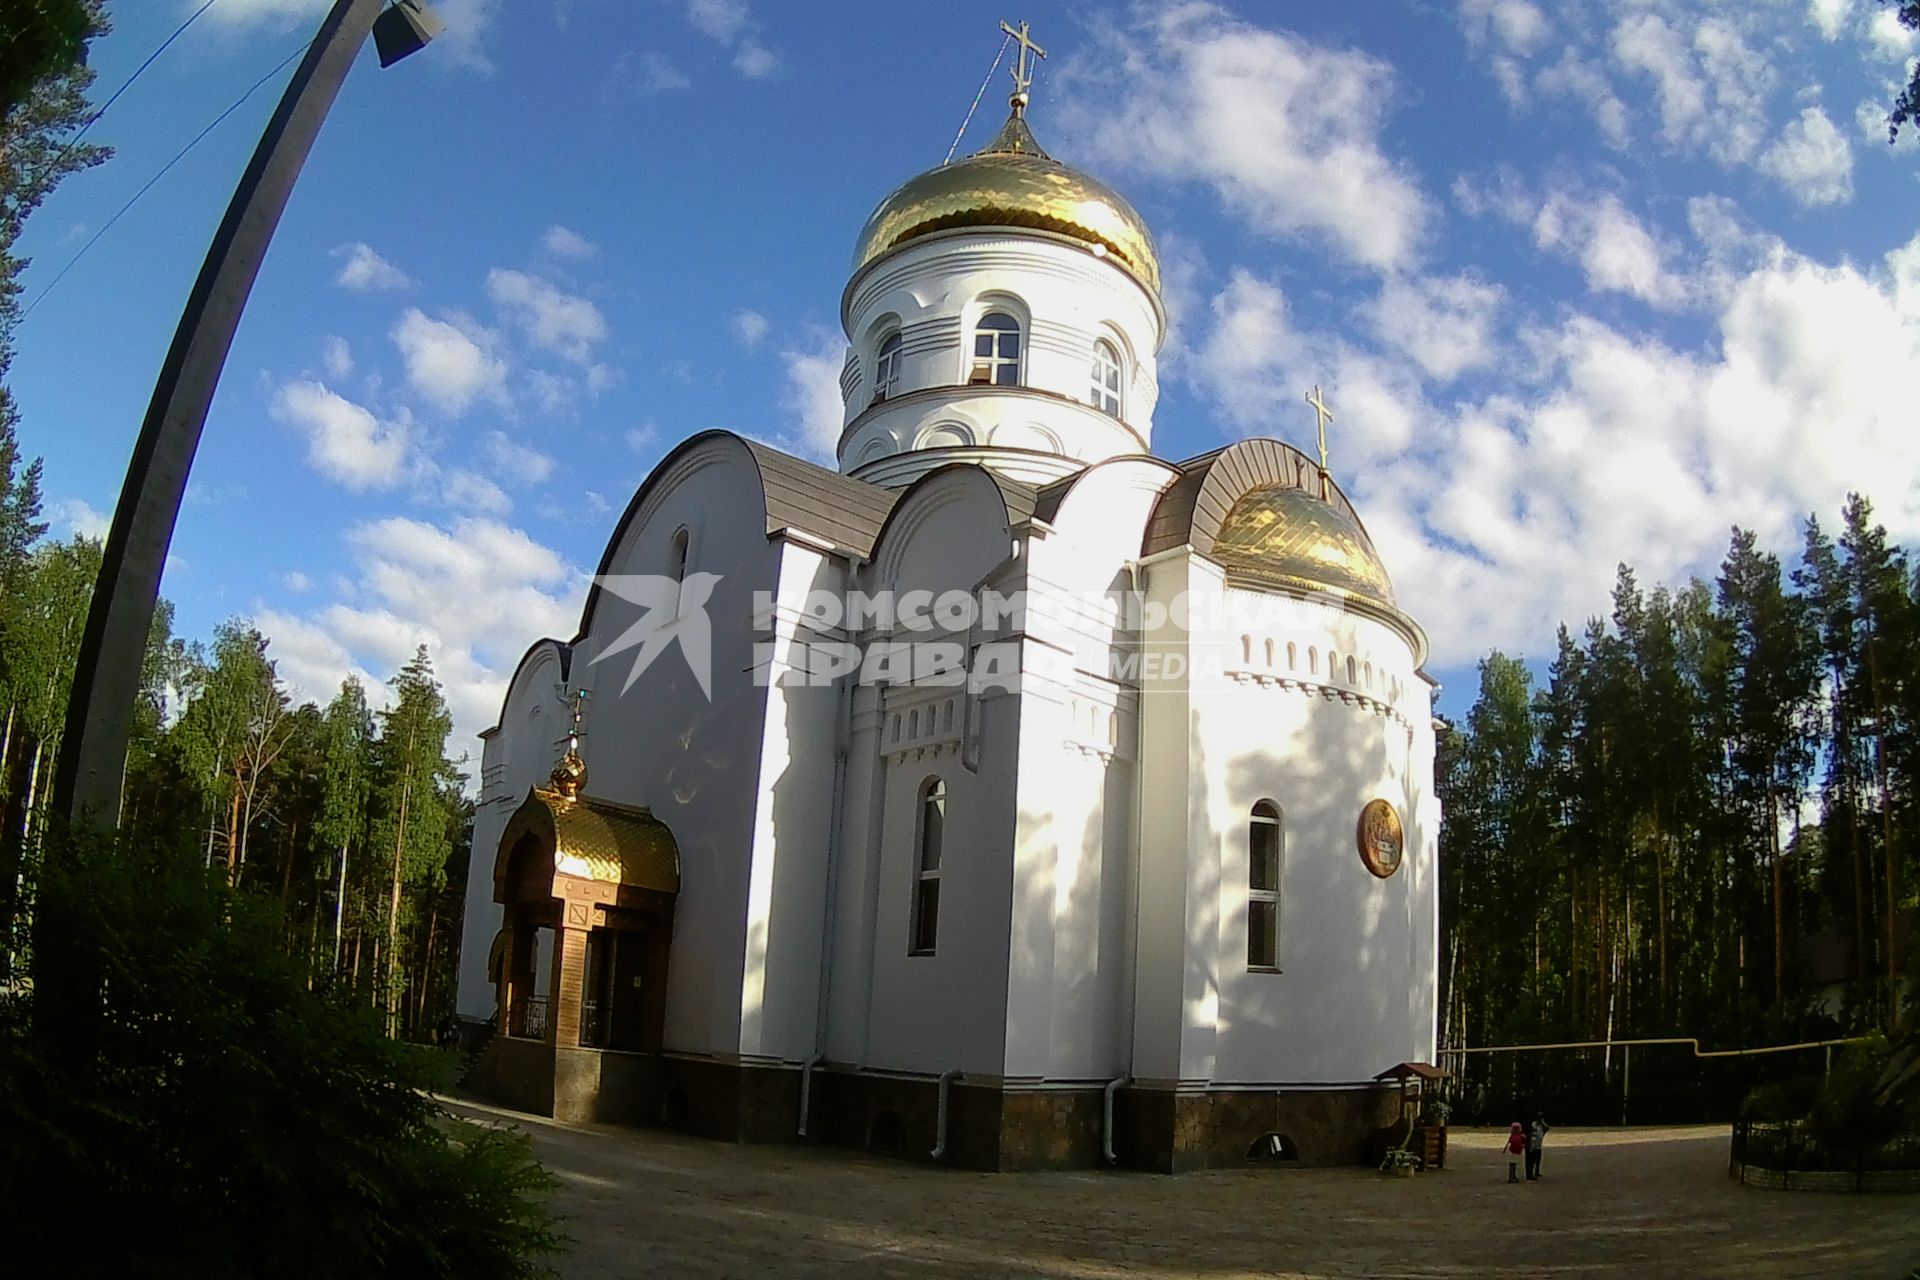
[
  {"x": 1283, "y": 536},
  {"x": 1011, "y": 182}
]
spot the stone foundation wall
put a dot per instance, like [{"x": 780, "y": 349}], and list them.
[{"x": 989, "y": 1127}]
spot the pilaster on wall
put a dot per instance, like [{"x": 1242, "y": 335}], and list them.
[{"x": 569, "y": 983}]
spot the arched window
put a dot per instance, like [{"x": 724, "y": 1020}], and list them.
[
  {"x": 926, "y": 883},
  {"x": 1293, "y": 656},
  {"x": 913, "y": 725},
  {"x": 1313, "y": 661},
  {"x": 886, "y": 368},
  {"x": 1106, "y": 377},
  {"x": 1246, "y": 649},
  {"x": 677, "y": 554},
  {"x": 996, "y": 351},
  {"x": 1264, "y": 858},
  {"x": 1353, "y": 670},
  {"x": 1269, "y": 652}
]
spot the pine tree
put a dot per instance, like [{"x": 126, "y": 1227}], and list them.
[
  {"x": 347, "y": 778},
  {"x": 411, "y": 822}
]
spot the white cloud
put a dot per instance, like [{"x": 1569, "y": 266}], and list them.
[
  {"x": 345, "y": 442},
  {"x": 1830, "y": 16},
  {"x": 1890, "y": 38},
  {"x": 296, "y": 582},
  {"x": 1445, "y": 323},
  {"x": 812, "y": 399},
  {"x": 476, "y": 593},
  {"x": 1504, "y": 514},
  {"x": 76, "y": 519},
  {"x": 336, "y": 357},
  {"x": 1812, "y": 159},
  {"x": 1579, "y": 79},
  {"x": 564, "y": 242},
  {"x": 1615, "y": 250},
  {"x": 552, "y": 319},
  {"x": 467, "y": 492},
  {"x": 749, "y": 327},
  {"x": 731, "y": 23},
  {"x": 364, "y": 271},
  {"x": 1285, "y": 133},
  {"x": 649, "y": 71},
  {"x": 1710, "y": 85},
  {"x": 1515, "y": 25},
  {"x": 517, "y": 463},
  {"x": 449, "y": 363}
]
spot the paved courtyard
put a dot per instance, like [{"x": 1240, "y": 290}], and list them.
[{"x": 1640, "y": 1202}]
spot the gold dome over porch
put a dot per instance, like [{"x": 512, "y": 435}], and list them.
[
  {"x": 597, "y": 840},
  {"x": 1011, "y": 182}
]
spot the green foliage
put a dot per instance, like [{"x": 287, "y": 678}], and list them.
[
  {"x": 39, "y": 38},
  {"x": 1702, "y": 823},
  {"x": 219, "y": 1119},
  {"x": 1781, "y": 1101},
  {"x": 1845, "y": 1118},
  {"x": 1906, "y": 108}
]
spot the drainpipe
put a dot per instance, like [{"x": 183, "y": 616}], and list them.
[
  {"x": 806, "y": 1089},
  {"x": 940, "y": 1122},
  {"x": 1106, "y": 1120}
]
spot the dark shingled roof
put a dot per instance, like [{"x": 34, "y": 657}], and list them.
[{"x": 802, "y": 495}]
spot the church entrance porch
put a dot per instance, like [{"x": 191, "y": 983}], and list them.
[{"x": 587, "y": 889}]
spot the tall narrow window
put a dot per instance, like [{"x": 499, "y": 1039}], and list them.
[
  {"x": 886, "y": 369},
  {"x": 996, "y": 351},
  {"x": 677, "y": 555},
  {"x": 926, "y": 882},
  {"x": 1106, "y": 377},
  {"x": 1263, "y": 887}
]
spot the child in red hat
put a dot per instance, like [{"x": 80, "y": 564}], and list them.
[{"x": 1516, "y": 1148}]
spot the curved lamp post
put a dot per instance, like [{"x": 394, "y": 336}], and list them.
[{"x": 106, "y": 680}]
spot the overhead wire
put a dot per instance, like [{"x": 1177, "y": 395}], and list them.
[
  {"x": 127, "y": 84},
  {"x": 164, "y": 170},
  {"x": 985, "y": 81}
]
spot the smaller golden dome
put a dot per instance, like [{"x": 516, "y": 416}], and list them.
[
  {"x": 1011, "y": 182},
  {"x": 570, "y": 775},
  {"x": 1287, "y": 537}
]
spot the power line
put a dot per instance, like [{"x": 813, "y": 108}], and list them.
[
  {"x": 976, "y": 101},
  {"x": 164, "y": 169},
  {"x": 137, "y": 72}
]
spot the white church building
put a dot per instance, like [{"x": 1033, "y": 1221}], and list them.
[{"x": 1161, "y": 883}]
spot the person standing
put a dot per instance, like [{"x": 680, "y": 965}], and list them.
[
  {"x": 1516, "y": 1148},
  {"x": 1536, "y": 1136}
]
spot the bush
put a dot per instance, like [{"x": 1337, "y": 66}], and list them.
[
  {"x": 1845, "y": 1117},
  {"x": 1781, "y": 1101},
  {"x": 214, "y": 1117}
]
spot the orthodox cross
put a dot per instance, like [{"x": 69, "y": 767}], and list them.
[
  {"x": 1022, "y": 63},
  {"x": 1322, "y": 416},
  {"x": 579, "y": 701}
]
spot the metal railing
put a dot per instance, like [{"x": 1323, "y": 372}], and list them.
[
  {"x": 532, "y": 1018},
  {"x": 1787, "y": 1155}
]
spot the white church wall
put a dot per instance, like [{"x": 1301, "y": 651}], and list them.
[
  {"x": 1176, "y": 996},
  {"x": 664, "y": 745},
  {"x": 514, "y": 757},
  {"x": 800, "y": 763},
  {"x": 1070, "y": 1005},
  {"x": 1354, "y": 949},
  {"x": 895, "y": 1010}
]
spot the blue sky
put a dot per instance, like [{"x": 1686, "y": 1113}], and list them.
[{"x": 1585, "y": 282}]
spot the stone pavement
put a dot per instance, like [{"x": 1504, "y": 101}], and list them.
[{"x": 1629, "y": 1202}]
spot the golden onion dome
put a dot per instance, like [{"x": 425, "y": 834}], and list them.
[
  {"x": 1286, "y": 537},
  {"x": 1011, "y": 182}
]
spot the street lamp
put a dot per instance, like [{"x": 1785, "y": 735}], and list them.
[{"x": 106, "y": 679}]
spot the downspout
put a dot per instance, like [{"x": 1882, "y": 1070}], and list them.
[
  {"x": 1106, "y": 1118},
  {"x": 830, "y": 914},
  {"x": 940, "y": 1121},
  {"x": 806, "y": 1089}
]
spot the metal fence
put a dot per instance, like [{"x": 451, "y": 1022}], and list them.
[
  {"x": 1786, "y": 1155},
  {"x": 533, "y": 1018}
]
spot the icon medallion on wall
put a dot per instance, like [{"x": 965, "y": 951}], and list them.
[{"x": 1382, "y": 842}]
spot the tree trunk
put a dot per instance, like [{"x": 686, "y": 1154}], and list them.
[
  {"x": 426, "y": 970},
  {"x": 1886, "y": 826},
  {"x": 340, "y": 917},
  {"x": 1779, "y": 904},
  {"x": 233, "y": 833}
]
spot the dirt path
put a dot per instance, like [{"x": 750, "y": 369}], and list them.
[{"x": 1639, "y": 1202}]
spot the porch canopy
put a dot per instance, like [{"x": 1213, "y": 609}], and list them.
[{"x": 604, "y": 877}]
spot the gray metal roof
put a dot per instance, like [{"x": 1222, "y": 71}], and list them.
[{"x": 807, "y": 497}]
